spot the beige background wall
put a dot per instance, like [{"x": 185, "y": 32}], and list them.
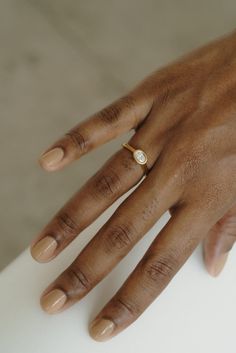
[{"x": 61, "y": 60}]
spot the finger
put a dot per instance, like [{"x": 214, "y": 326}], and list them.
[
  {"x": 121, "y": 116},
  {"x": 117, "y": 176},
  {"x": 219, "y": 242},
  {"x": 132, "y": 219},
  {"x": 161, "y": 262}
]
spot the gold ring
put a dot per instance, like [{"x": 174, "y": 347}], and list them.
[{"x": 139, "y": 156}]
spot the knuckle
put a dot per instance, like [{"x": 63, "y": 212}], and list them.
[
  {"x": 111, "y": 114},
  {"x": 107, "y": 184},
  {"x": 149, "y": 209},
  {"x": 189, "y": 158},
  {"x": 78, "y": 140},
  {"x": 189, "y": 166},
  {"x": 210, "y": 196},
  {"x": 127, "y": 101},
  {"x": 67, "y": 224},
  {"x": 158, "y": 269},
  {"x": 167, "y": 85},
  {"x": 127, "y": 306},
  {"x": 78, "y": 279},
  {"x": 165, "y": 96},
  {"x": 119, "y": 236}
]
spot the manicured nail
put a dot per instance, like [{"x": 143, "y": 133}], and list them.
[
  {"x": 52, "y": 158},
  {"x": 44, "y": 249},
  {"x": 53, "y": 301},
  {"x": 101, "y": 329},
  {"x": 217, "y": 265}
]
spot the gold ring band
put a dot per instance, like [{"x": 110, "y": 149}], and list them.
[{"x": 139, "y": 156}]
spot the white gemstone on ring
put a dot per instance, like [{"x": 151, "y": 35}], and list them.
[{"x": 140, "y": 156}]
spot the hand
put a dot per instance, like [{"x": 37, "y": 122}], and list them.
[{"x": 184, "y": 118}]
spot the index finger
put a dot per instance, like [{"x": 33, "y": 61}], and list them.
[{"x": 121, "y": 116}]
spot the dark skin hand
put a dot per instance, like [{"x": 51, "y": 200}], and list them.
[{"x": 184, "y": 118}]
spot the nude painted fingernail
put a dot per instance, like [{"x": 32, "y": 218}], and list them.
[
  {"x": 101, "y": 329},
  {"x": 44, "y": 249},
  {"x": 53, "y": 301},
  {"x": 217, "y": 265},
  {"x": 52, "y": 158}
]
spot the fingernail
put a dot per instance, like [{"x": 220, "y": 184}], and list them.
[
  {"x": 217, "y": 265},
  {"x": 52, "y": 158},
  {"x": 44, "y": 249},
  {"x": 53, "y": 301},
  {"x": 101, "y": 329}
]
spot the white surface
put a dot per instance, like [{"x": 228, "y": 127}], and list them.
[{"x": 196, "y": 313}]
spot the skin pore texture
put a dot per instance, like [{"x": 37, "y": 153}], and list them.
[{"x": 184, "y": 117}]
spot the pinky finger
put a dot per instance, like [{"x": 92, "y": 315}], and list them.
[{"x": 166, "y": 255}]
